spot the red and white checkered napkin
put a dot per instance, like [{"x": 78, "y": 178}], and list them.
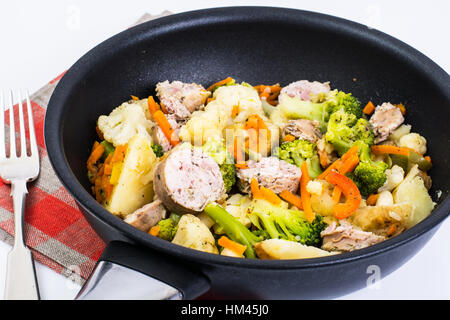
[{"x": 55, "y": 229}]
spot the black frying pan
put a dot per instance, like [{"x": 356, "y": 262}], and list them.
[{"x": 256, "y": 45}]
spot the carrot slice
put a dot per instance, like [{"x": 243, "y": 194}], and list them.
[
  {"x": 238, "y": 153},
  {"x": 252, "y": 123},
  {"x": 94, "y": 157},
  {"x": 219, "y": 83},
  {"x": 134, "y": 98},
  {"x": 289, "y": 138},
  {"x": 372, "y": 199},
  {"x": 387, "y": 149},
  {"x": 237, "y": 248},
  {"x": 108, "y": 169},
  {"x": 152, "y": 105},
  {"x": 291, "y": 198},
  {"x": 165, "y": 126},
  {"x": 270, "y": 196},
  {"x": 99, "y": 133},
  {"x": 338, "y": 163},
  {"x": 106, "y": 187},
  {"x": 254, "y": 187},
  {"x": 154, "y": 231},
  {"x": 369, "y": 108},
  {"x": 163, "y": 108},
  {"x": 119, "y": 154},
  {"x": 349, "y": 164},
  {"x": 109, "y": 158},
  {"x": 402, "y": 108},
  {"x": 235, "y": 110},
  {"x": 305, "y": 195},
  {"x": 352, "y": 151},
  {"x": 392, "y": 230},
  {"x": 428, "y": 158},
  {"x": 241, "y": 165},
  {"x": 335, "y": 165}
]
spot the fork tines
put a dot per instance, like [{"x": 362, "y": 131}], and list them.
[{"x": 12, "y": 132}]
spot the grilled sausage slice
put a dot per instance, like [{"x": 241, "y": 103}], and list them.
[
  {"x": 385, "y": 120},
  {"x": 303, "y": 129},
  {"x": 303, "y": 89},
  {"x": 187, "y": 180},
  {"x": 181, "y": 99},
  {"x": 270, "y": 172},
  {"x": 147, "y": 216}
]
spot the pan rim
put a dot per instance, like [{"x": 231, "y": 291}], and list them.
[{"x": 176, "y": 22}]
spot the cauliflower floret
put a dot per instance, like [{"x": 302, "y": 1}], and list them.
[
  {"x": 237, "y": 206},
  {"x": 245, "y": 97},
  {"x": 394, "y": 177},
  {"x": 204, "y": 124},
  {"x": 385, "y": 199},
  {"x": 124, "y": 122},
  {"x": 217, "y": 114},
  {"x": 414, "y": 141},
  {"x": 314, "y": 187},
  {"x": 278, "y": 118}
]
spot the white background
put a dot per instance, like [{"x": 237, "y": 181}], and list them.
[{"x": 40, "y": 39}]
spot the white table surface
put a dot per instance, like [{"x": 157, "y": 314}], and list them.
[{"x": 42, "y": 38}]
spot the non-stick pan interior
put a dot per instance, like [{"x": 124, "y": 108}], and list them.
[{"x": 258, "y": 46}]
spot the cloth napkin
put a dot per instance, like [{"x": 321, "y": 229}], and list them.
[{"x": 55, "y": 229}]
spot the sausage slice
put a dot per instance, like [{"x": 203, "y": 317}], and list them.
[
  {"x": 187, "y": 180},
  {"x": 147, "y": 216},
  {"x": 271, "y": 173}
]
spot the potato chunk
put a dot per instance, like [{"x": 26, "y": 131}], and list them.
[
  {"x": 383, "y": 220},
  {"x": 412, "y": 190},
  {"x": 193, "y": 233},
  {"x": 135, "y": 185},
  {"x": 283, "y": 249}
]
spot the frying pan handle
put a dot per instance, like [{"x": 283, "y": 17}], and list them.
[{"x": 126, "y": 271}]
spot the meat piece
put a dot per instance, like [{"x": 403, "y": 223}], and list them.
[
  {"x": 303, "y": 89},
  {"x": 187, "y": 180},
  {"x": 159, "y": 137},
  {"x": 181, "y": 99},
  {"x": 385, "y": 120},
  {"x": 147, "y": 216},
  {"x": 347, "y": 237},
  {"x": 303, "y": 129},
  {"x": 270, "y": 172}
]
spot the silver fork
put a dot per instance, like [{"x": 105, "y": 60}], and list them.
[{"x": 21, "y": 283}]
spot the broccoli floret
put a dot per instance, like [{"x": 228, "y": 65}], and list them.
[
  {"x": 342, "y": 100},
  {"x": 368, "y": 175},
  {"x": 157, "y": 149},
  {"x": 233, "y": 228},
  {"x": 294, "y": 108},
  {"x": 216, "y": 149},
  {"x": 261, "y": 233},
  {"x": 168, "y": 227},
  {"x": 297, "y": 151},
  {"x": 344, "y": 129},
  {"x": 228, "y": 172},
  {"x": 320, "y": 107},
  {"x": 282, "y": 223}
]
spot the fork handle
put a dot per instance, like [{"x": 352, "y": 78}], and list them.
[{"x": 21, "y": 283}]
